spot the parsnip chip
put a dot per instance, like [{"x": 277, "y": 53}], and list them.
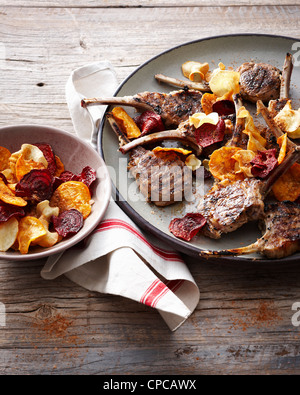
[
  {"x": 222, "y": 164},
  {"x": 126, "y": 123},
  {"x": 44, "y": 213},
  {"x": 224, "y": 81},
  {"x": 7, "y": 196},
  {"x": 4, "y": 158},
  {"x": 199, "y": 118},
  {"x": 44, "y": 209},
  {"x": 72, "y": 195},
  {"x": 195, "y": 71},
  {"x": 243, "y": 159},
  {"x": 25, "y": 166},
  {"x": 282, "y": 142},
  {"x": 288, "y": 120},
  {"x": 288, "y": 185},
  {"x": 8, "y": 234},
  {"x": 30, "y": 229},
  {"x": 193, "y": 162}
]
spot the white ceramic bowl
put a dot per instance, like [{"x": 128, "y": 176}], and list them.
[{"x": 75, "y": 155}]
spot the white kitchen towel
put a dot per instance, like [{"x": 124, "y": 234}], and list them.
[{"x": 119, "y": 258}]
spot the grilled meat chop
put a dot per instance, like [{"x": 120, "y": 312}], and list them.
[
  {"x": 229, "y": 205},
  {"x": 280, "y": 225},
  {"x": 173, "y": 107},
  {"x": 259, "y": 81},
  {"x": 161, "y": 181}
]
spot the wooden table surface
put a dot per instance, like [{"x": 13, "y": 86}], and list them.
[{"x": 243, "y": 323}]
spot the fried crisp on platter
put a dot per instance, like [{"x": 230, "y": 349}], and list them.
[
  {"x": 283, "y": 143},
  {"x": 72, "y": 195},
  {"x": 8, "y": 233},
  {"x": 195, "y": 71},
  {"x": 222, "y": 165},
  {"x": 7, "y": 196},
  {"x": 126, "y": 123},
  {"x": 243, "y": 159},
  {"x": 30, "y": 229},
  {"x": 288, "y": 185},
  {"x": 4, "y": 158}
]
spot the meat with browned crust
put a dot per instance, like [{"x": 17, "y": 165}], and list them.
[
  {"x": 229, "y": 205},
  {"x": 259, "y": 81}
]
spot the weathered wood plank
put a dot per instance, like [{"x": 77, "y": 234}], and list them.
[
  {"x": 111, "y": 335},
  {"x": 140, "y": 4},
  {"x": 243, "y": 321}
]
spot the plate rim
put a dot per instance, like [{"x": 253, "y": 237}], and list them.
[
  {"x": 61, "y": 249},
  {"x": 177, "y": 244}
]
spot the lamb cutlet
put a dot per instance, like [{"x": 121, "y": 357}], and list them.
[
  {"x": 280, "y": 226},
  {"x": 229, "y": 205},
  {"x": 174, "y": 107},
  {"x": 185, "y": 133},
  {"x": 259, "y": 81},
  {"x": 161, "y": 181}
]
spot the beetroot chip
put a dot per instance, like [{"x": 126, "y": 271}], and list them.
[
  {"x": 68, "y": 223},
  {"x": 187, "y": 227},
  {"x": 37, "y": 185},
  {"x": 8, "y": 211},
  {"x": 264, "y": 163},
  {"x": 49, "y": 156},
  {"x": 149, "y": 122},
  {"x": 209, "y": 134},
  {"x": 224, "y": 107},
  {"x": 88, "y": 176}
]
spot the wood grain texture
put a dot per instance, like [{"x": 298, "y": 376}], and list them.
[{"x": 41, "y": 42}]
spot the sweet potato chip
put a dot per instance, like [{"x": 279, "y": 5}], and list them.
[
  {"x": 181, "y": 151},
  {"x": 282, "y": 142},
  {"x": 8, "y": 234},
  {"x": 25, "y": 166},
  {"x": 288, "y": 185},
  {"x": 7, "y": 196},
  {"x": 30, "y": 229},
  {"x": 4, "y": 158},
  {"x": 72, "y": 195},
  {"x": 29, "y": 152},
  {"x": 207, "y": 102},
  {"x": 222, "y": 164},
  {"x": 126, "y": 123},
  {"x": 60, "y": 168}
]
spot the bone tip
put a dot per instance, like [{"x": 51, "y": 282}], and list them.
[{"x": 83, "y": 103}]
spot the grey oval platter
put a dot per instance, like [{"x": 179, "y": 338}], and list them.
[{"x": 232, "y": 50}]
